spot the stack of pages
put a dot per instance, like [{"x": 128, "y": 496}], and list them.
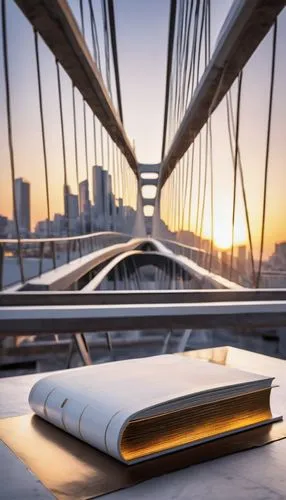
[{"x": 138, "y": 409}]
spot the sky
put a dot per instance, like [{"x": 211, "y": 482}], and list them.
[{"x": 142, "y": 31}]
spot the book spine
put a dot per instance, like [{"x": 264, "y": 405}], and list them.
[{"x": 60, "y": 407}]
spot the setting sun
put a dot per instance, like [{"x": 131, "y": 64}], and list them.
[{"x": 223, "y": 233}]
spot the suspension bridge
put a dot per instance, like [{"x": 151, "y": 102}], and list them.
[{"x": 117, "y": 258}]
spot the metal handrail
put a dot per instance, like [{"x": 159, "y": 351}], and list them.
[
  {"x": 52, "y": 242},
  {"x": 121, "y": 297},
  {"x": 64, "y": 238},
  {"x": 95, "y": 318},
  {"x": 178, "y": 243},
  {"x": 203, "y": 254}
]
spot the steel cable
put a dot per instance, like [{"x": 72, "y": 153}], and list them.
[
  {"x": 231, "y": 132},
  {"x": 10, "y": 136},
  {"x": 191, "y": 184},
  {"x": 76, "y": 159},
  {"x": 106, "y": 46},
  {"x": 42, "y": 129},
  {"x": 66, "y": 203},
  {"x": 172, "y": 18},
  {"x": 212, "y": 193},
  {"x": 235, "y": 169},
  {"x": 94, "y": 35},
  {"x": 112, "y": 28},
  {"x": 271, "y": 91}
]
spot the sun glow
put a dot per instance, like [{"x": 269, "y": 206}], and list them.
[{"x": 223, "y": 234}]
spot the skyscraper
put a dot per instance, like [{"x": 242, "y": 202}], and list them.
[
  {"x": 84, "y": 205},
  {"x": 73, "y": 206},
  {"x": 66, "y": 199},
  {"x": 70, "y": 203},
  {"x": 23, "y": 210},
  {"x": 83, "y": 197},
  {"x": 101, "y": 189}
]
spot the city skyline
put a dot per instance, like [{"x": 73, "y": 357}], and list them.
[
  {"x": 101, "y": 190},
  {"x": 79, "y": 215}
]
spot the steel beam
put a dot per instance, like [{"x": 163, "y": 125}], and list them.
[
  {"x": 149, "y": 168},
  {"x": 149, "y": 182},
  {"x": 148, "y": 202},
  {"x": 72, "y": 319},
  {"x": 55, "y": 22},
  {"x": 139, "y": 297},
  {"x": 244, "y": 28}
]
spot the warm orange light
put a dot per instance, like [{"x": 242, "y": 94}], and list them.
[
  {"x": 223, "y": 233},
  {"x": 176, "y": 428}
]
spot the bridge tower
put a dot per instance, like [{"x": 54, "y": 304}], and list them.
[{"x": 149, "y": 175}]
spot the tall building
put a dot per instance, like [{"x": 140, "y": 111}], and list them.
[
  {"x": 3, "y": 226},
  {"x": 85, "y": 206},
  {"x": 83, "y": 197},
  {"x": 70, "y": 203},
  {"x": 66, "y": 199},
  {"x": 23, "y": 207},
  {"x": 101, "y": 180},
  {"x": 280, "y": 249},
  {"x": 59, "y": 225},
  {"x": 73, "y": 206}
]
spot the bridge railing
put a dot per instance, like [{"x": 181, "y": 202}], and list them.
[
  {"x": 34, "y": 256},
  {"x": 207, "y": 260},
  {"x": 141, "y": 327}
]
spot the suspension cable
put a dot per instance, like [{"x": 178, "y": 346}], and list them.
[
  {"x": 191, "y": 184},
  {"x": 94, "y": 35},
  {"x": 212, "y": 192},
  {"x": 176, "y": 66},
  {"x": 42, "y": 129},
  {"x": 199, "y": 184},
  {"x": 180, "y": 54},
  {"x": 205, "y": 182},
  {"x": 86, "y": 157},
  {"x": 76, "y": 157},
  {"x": 66, "y": 199},
  {"x": 231, "y": 131},
  {"x": 172, "y": 20},
  {"x": 235, "y": 169},
  {"x": 115, "y": 55},
  {"x": 10, "y": 135},
  {"x": 273, "y": 62},
  {"x": 94, "y": 139},
  {"x": 187, "y": 60},
  {"x": 207, "y": 52},
  {"x": 194, "y": 51},
  {"x": 106, "y": 46},
  {"x": 186, "y": 187},
  {"x": 82, "y": 17},
  {"x": 203, "y": 19}
]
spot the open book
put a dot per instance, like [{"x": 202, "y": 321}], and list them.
[{"x": 138, "y": 409}]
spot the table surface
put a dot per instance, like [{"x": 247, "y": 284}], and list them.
[{"x": 253, "y": 474}]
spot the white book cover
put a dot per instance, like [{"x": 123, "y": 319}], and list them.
[{"x": 96, "y": 403}]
